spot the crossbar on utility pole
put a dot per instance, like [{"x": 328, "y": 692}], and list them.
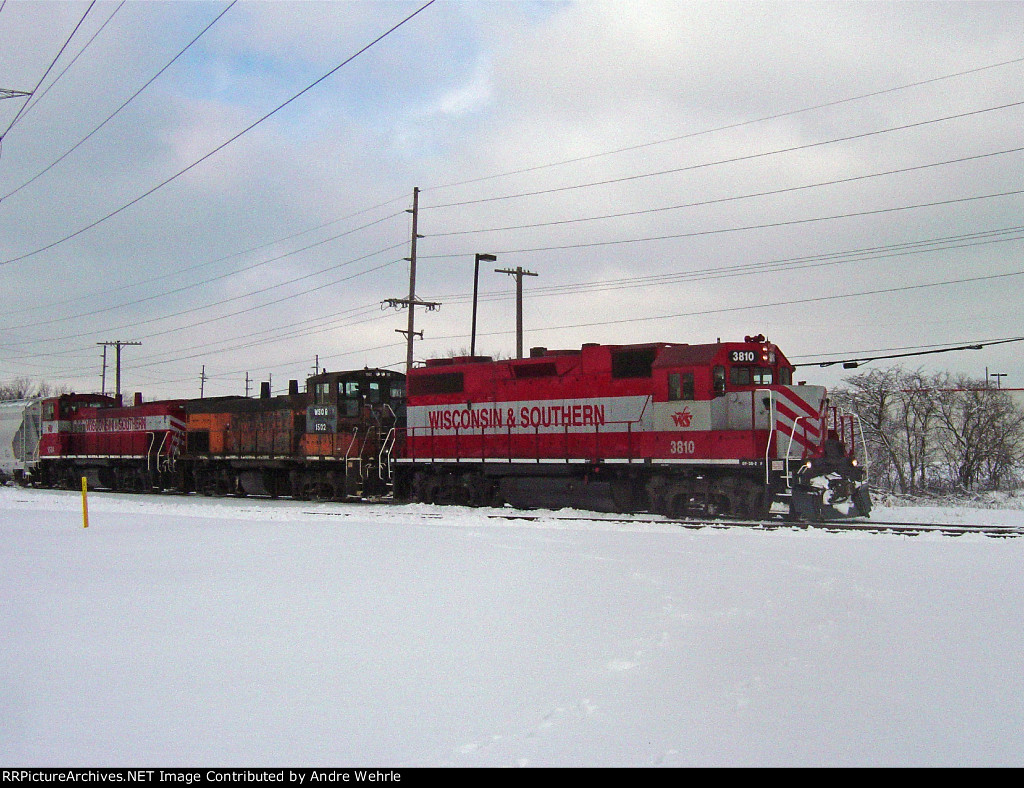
[
  {"x": 518, "y": 272},
  {"x": 117, "y": 344}
]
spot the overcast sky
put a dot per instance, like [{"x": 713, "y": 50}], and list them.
[{"x": 843, "y": 177}]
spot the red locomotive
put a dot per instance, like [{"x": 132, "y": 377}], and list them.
[
  {"x": 121, "y": 448},
  {"x": 678, "y": 429}
]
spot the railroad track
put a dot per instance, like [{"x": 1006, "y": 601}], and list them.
[
  {"x": 774, "y": 524},
  {"x": 864, "y": 526}
]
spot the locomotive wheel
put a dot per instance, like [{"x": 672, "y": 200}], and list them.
[
  {"x": 678, "y": 501},
  {"x": 752, "y": 501},
  {"x": 321, "y": 493}
]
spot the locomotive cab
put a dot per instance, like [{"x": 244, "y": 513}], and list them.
[
  {"x": 738, "y": 400},
  {"x": 352, "y": 419},
  {"x": 56, "y": 414},
  {"x": 334, "y": 396}
]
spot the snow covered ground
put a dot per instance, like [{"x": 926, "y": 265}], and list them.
[{"x": 183, "y": 631}]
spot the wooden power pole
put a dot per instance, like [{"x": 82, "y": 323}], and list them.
[
  {"x": 412, "y": 301},
  {"x": 518, "y": 272},
  {"x": 118, "y": 344}
]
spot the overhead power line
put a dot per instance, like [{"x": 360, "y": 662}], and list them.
[
  {"x": 220, "y": 147},
  {"x": 766, "y": 225},
  {"x": 731, "y": 160},
  {"x": 730, "y": 126},
  {"x": 860, "y": 255},
  {"x": 177, "y": 273},
  {"x": 732, "y": 198},
  {"x": 749, "y": 307},
  {"x": 853, "y": 363},
  {"x": 37, "y": 98},
  {"x": 48, "y": 70},
  {"x": 192, "y": 285},
  {"x": 370, "y": 312},
  {"x": 242, "y": 296},
  {"x": 117, "y": 111}
]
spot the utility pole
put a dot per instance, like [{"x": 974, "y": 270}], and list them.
[
  {"x": 316, "y": 364},
  {"x": 202, "y": 382},
  {"x": 118, "y": 344},
  {"x": 412, "y": 301},
  {"x": 246, "y": 384},
  {"x": 518, "y": 272},
  {"x": 103, "y": 377}
]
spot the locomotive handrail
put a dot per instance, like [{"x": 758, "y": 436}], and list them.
[
  {"x": 149, "y": 450},
  {"x": 771, "y": 428},
  {"x": 358, "y": 461},
  {"x": 864, "y": 448},
  {"x": 385, "y": 448},
  {"x": 856, "y": 424},
  {"x": 355, "y": 434},
  {"x": 788, "y": 474}
]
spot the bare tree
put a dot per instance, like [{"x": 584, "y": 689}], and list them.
[
  {"x": 916, "y": 407},
  {"x": 928, "y": 432},
  {"x": 981, "y": 434},
  {"x": 25, "y": 388},
  {"x": 871, "y": 396}
]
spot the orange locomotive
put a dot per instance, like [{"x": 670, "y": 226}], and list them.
[{"x": 334, "y": 441}]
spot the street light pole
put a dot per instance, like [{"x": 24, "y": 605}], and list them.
[{"x": 487, "y": 258}]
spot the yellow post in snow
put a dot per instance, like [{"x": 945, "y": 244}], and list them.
[{"x": 85, "y": 504}]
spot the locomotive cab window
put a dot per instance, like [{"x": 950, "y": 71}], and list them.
[
  {"x": 632, "y": 363},
  {"x": 763, "y": 376},
  {"x": 718, "y": 378},
  {"x": 750, "y": 376},
  {"x": 349, "y": 404},
  {"x": 322, "y": 394},
  {"x": 680, "y": 386},
  {"x": 438, "y": 383}
]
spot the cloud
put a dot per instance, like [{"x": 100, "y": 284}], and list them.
[{"x": 477, "y": 101}]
